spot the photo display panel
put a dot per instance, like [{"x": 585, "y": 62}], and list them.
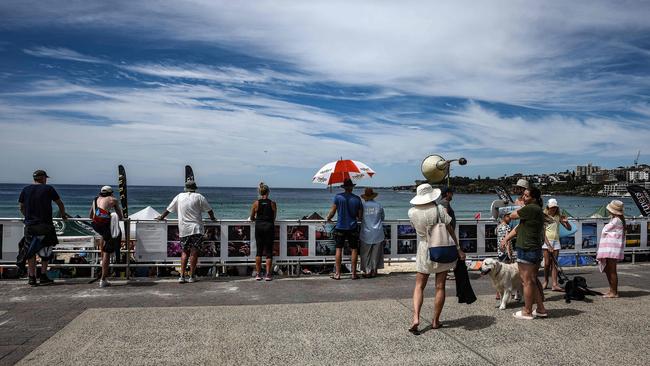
[
  {"x": 239, "y": 241},
  {"x": 325, "y": 245},
  {"x": 407, "y": 242},
  {"x": 297, "y": 240},
  {"x": 632, "y": 235},
  {"x": 589, "y": 235},
  {"x": 468, "y": 238},
  {"x": 491, "y": 243}
]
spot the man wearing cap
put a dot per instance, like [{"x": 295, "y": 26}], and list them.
[
  {"x": 348, "y": 208},
  {"x": 190, "y": 206},
  {"x": 40, "y": 236},
  {"x": 447, "y": 194},
  {"x": 100, "y": 214}
]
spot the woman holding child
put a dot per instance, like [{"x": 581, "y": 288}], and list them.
[{"x": 530, "y": 237}]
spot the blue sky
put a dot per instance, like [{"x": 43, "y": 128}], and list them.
[{"x": 273, "y": 90}]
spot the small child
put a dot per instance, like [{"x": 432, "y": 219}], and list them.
[{"x": 504, "y": 250}]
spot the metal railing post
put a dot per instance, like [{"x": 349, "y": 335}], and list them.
[{"x": 127, "y": 235}]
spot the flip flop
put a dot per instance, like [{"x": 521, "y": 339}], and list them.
[
  {"x": 335, "y": 277},
  {"x": 438, "y": 327},
  {"x": 355, "y": 277},
  {"x": 539, "y": 315},
  {"x": 414, "y": 329},
  {"x": 520, "y": 315}
]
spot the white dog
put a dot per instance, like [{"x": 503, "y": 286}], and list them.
[{"x": 505, "y": 278}]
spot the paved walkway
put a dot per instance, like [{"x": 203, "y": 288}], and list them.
[{"x": 313, "y": 320}]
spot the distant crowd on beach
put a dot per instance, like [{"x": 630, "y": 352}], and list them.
[{"x": 526, "y": 236}]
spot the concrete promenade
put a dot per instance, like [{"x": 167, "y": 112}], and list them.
[{"x": 314, "y": 320}]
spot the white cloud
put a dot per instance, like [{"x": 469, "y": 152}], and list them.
[
  {"x": 62, "y": 54},
  {"x": 517, "y": 52}
]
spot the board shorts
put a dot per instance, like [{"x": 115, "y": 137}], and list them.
[
  {"x": 352, "y": 236},
  {"x": 264, "y": 236},
  {"x": 555, "y": 243},
  {"x": 194, "y": 241},
  {"x": 48, "y": 239},
  {"x": 529, "y": 256}
]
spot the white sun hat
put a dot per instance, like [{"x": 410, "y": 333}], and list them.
[
  {"x": 552, "y": 202},
  {"x": 425, "y": 194}
]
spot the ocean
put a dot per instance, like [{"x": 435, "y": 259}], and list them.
[{"x": 293, "y": 203}]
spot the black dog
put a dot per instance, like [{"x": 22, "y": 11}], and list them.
[{"x": 576, "y": 289}]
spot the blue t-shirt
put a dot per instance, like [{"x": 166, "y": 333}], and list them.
[
  {"x": 347, "y": 209},
  {"x": 37, "y": 200}
]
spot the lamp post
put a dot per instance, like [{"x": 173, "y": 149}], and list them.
[{"x": 435, "y": 168}]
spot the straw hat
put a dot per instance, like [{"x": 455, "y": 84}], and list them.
[
  {"x": 425, "y": 194},
  {"x": 522, "y": 183},
  {"x": 616, "y": 207},
  {"x": 369, "y": 194}
]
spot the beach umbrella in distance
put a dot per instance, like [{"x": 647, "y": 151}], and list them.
[{"x": 340, "y": 170}]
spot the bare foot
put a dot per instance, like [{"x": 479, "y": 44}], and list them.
[
  {"x": 414, "y": 328},
  {"x": 436, "y": 325},
  {"x": 557, "y": 289},
  {"x": 545, "y": 285},
  {"x": 610, "y": 296}
]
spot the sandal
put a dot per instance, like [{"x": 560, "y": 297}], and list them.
[
  {"x": 539, "y": 315},
  {"x": 414, "y": 329},
  {"x": 520, "y": 315}
]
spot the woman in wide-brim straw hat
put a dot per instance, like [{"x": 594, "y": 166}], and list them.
[
  {"x": 372, "y": 234},
  {"x": 423, "y": 215},
  {"x": 611, "y": 246}
]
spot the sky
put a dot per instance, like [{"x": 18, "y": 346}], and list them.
[{"x": 273, "y": 90}]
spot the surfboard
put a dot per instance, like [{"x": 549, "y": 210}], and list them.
[
  {"x": 189, "y": 173},
  {"x": 503, "y": 194}
]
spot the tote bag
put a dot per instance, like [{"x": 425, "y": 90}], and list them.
[{"x": 440, "y": 249}]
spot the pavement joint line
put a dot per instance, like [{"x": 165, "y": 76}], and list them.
[{"x": 454, "y": 338}]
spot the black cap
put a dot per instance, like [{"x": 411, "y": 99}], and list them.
[
  {"x": 347, "y": 183},
  {"x": 40, "y": 173}
]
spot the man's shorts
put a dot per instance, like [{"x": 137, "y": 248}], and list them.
[
  {"x": 111, "y": 244},
  {"x": 555, "y": 243},
  {"x": 352, "y": 236},
  {"x": 47, "y": 235},
  {"x": 194, "y": 241},
  {"x": 264, "y": 236},
  {"x": 529, "y": 256}
]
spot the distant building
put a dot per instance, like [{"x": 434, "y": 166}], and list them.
[
  {"x": 638, "y": 176},
  {"x": 582, "y": 171}
]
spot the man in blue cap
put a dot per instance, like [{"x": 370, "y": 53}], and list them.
[{"x": 445, "y": 201}]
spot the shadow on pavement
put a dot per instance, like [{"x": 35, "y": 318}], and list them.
[
  {"x": 473, "y": 322},
  {"x": 142, "y": 284},
  {"x": 633, "y": 293}
]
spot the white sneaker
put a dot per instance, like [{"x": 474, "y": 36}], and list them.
[
  {"x": 104, "y": 283},
  {"x": 192, "y": 279},
  {"x": 181, "y": 279}
]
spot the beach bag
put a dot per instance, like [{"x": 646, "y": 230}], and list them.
[{"x": 440, "y": 250}]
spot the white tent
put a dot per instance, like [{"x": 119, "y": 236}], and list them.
[{"x": 147, "y": 213}]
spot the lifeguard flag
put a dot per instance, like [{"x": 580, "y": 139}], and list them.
[
  {"x": 641, "y": 197},
  {"x": 477, "y": 216}
]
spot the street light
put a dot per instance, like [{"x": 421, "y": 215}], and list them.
[{"x": 435, "y": 168}]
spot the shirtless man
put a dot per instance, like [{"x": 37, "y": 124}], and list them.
[{"x": 100, "y": 214}]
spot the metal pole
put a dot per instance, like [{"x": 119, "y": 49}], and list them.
[{"x": 127, "y": 235}]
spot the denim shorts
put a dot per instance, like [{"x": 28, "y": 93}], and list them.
[{"x": 529, "y": 256}]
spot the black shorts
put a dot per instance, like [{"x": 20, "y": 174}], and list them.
[
  {"x": 352, "y": 236},
  {"x": 47, "y": 235},
  {"x": 264, "y": 235},
  {"x": 111, "y": 244}
]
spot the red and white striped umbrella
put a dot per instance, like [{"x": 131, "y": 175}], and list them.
[{"x": 338, "y": 171}]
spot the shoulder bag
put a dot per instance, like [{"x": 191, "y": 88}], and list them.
[{"x": 440, "y": 250}]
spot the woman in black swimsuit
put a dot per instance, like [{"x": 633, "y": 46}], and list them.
[{"x": 263, "y": 213}]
